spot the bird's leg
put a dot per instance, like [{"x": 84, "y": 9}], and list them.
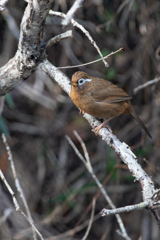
[
  {"x": 80, "y": 112},
  {"x": 101, "y": 119},
  {"x": 102, "y": 125}
]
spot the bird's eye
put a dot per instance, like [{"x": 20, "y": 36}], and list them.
[{"x": 81, "y": 81}]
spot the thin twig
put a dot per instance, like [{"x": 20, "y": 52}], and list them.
[
  {"x": 90, "y": 169},
  {"x": 91, "y": 219},
  {"x": 146, "y": 85},
  {"x": 17, "y": 205},
  {"x": 139, "y": 206},
  {"x": 84, "y": 148},
  {"x": 156, "y": 193},
  {"x": 17, "y": 183},
  {"x": 96, "y": 197},
  {"x": 58, "y": 38},
  {"x": 10, "y": 191},
  {"x": 77, "y": 4},
  {"x": 76, "y": 24},
  {"x": 85, "y": 64}
]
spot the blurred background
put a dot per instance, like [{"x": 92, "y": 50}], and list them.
[{"x": 38, "y": 114}]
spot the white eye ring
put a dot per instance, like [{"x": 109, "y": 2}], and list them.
[{"x": 81, "y": 81}]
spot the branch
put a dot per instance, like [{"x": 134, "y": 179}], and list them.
[
  {"x": 17, "y": 205},
  {"x": 76, "y": 24},
  {"x": 88, "y": 165},
  {"x": 85, "y": 64},
  {"x": 139, "y": 206},
  {"x": 18, "y": 185},
  {"x": 30, "y": 46},
  {"x": 77, "y": 4},
  {"x": 146, "y": 85},
  {"x": 58, "y": 38},
  {"x": 91, "y": 219}
]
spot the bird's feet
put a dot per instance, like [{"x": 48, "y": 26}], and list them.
[
  {"x": 102, "y": 125},
  {"x": 99, "y": 127},
  {"x": 81, "y": 112}
]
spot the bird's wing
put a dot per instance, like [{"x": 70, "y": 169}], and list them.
[{"x": 108, "y": 92}]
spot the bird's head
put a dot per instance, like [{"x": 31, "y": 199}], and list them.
[{"x": 80, "y": 79}]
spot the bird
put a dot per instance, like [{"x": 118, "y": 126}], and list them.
[{"x": 101, "y": 98}]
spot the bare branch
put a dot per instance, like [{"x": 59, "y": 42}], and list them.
[
  {"x": 85, "y": 64},
  {"x": 139, "y": 206},
  {"x": 56, "y": 74},
  {"x": 58, "y": 38},
  {"x": 10, "y": 191},
  {"x": 76, "y": 24},
  {"x": 91, "y": 219},
  {"x": 146, "y": 84},
  {"x": 88, "y": 165},
  {"x": 77, "y": 4},
  {"x": 17, "y": 183}
]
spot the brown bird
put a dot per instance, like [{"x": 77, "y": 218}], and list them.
[{"x": 101, "y": 98}]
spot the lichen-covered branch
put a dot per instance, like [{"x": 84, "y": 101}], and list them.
[{"x": 30, "y": 46}]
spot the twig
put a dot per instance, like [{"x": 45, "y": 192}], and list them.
[
  {"x": 90, "y": 169},
  {"x": 85, "y": 64},
  {"x": 58, "y": 38},
  {"x": 30, "y": 46},
  {"x": 77, "y": 4},
  {"x": 139, "y": 206},
  {"x": 17, "y": 183},
  {"x": 96, "y": 197},
  {"x": 91, "y": 219},
  {"x": 10, "y": 191},
  {"x": 157, "y": 191},
  {"x": 76, "y": 24},
  {"x": 17, "y": 205},
  {"x": 146, "y": 85}
]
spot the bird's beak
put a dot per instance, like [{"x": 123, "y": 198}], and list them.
[{"x": 73, "y": 83}]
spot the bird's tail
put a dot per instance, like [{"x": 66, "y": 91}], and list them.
[{"x": 140, "y": 122}]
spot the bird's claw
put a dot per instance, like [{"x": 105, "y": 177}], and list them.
[
  {"x": 100, "y": 126},
  {"x": 81, "y": 112}
]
